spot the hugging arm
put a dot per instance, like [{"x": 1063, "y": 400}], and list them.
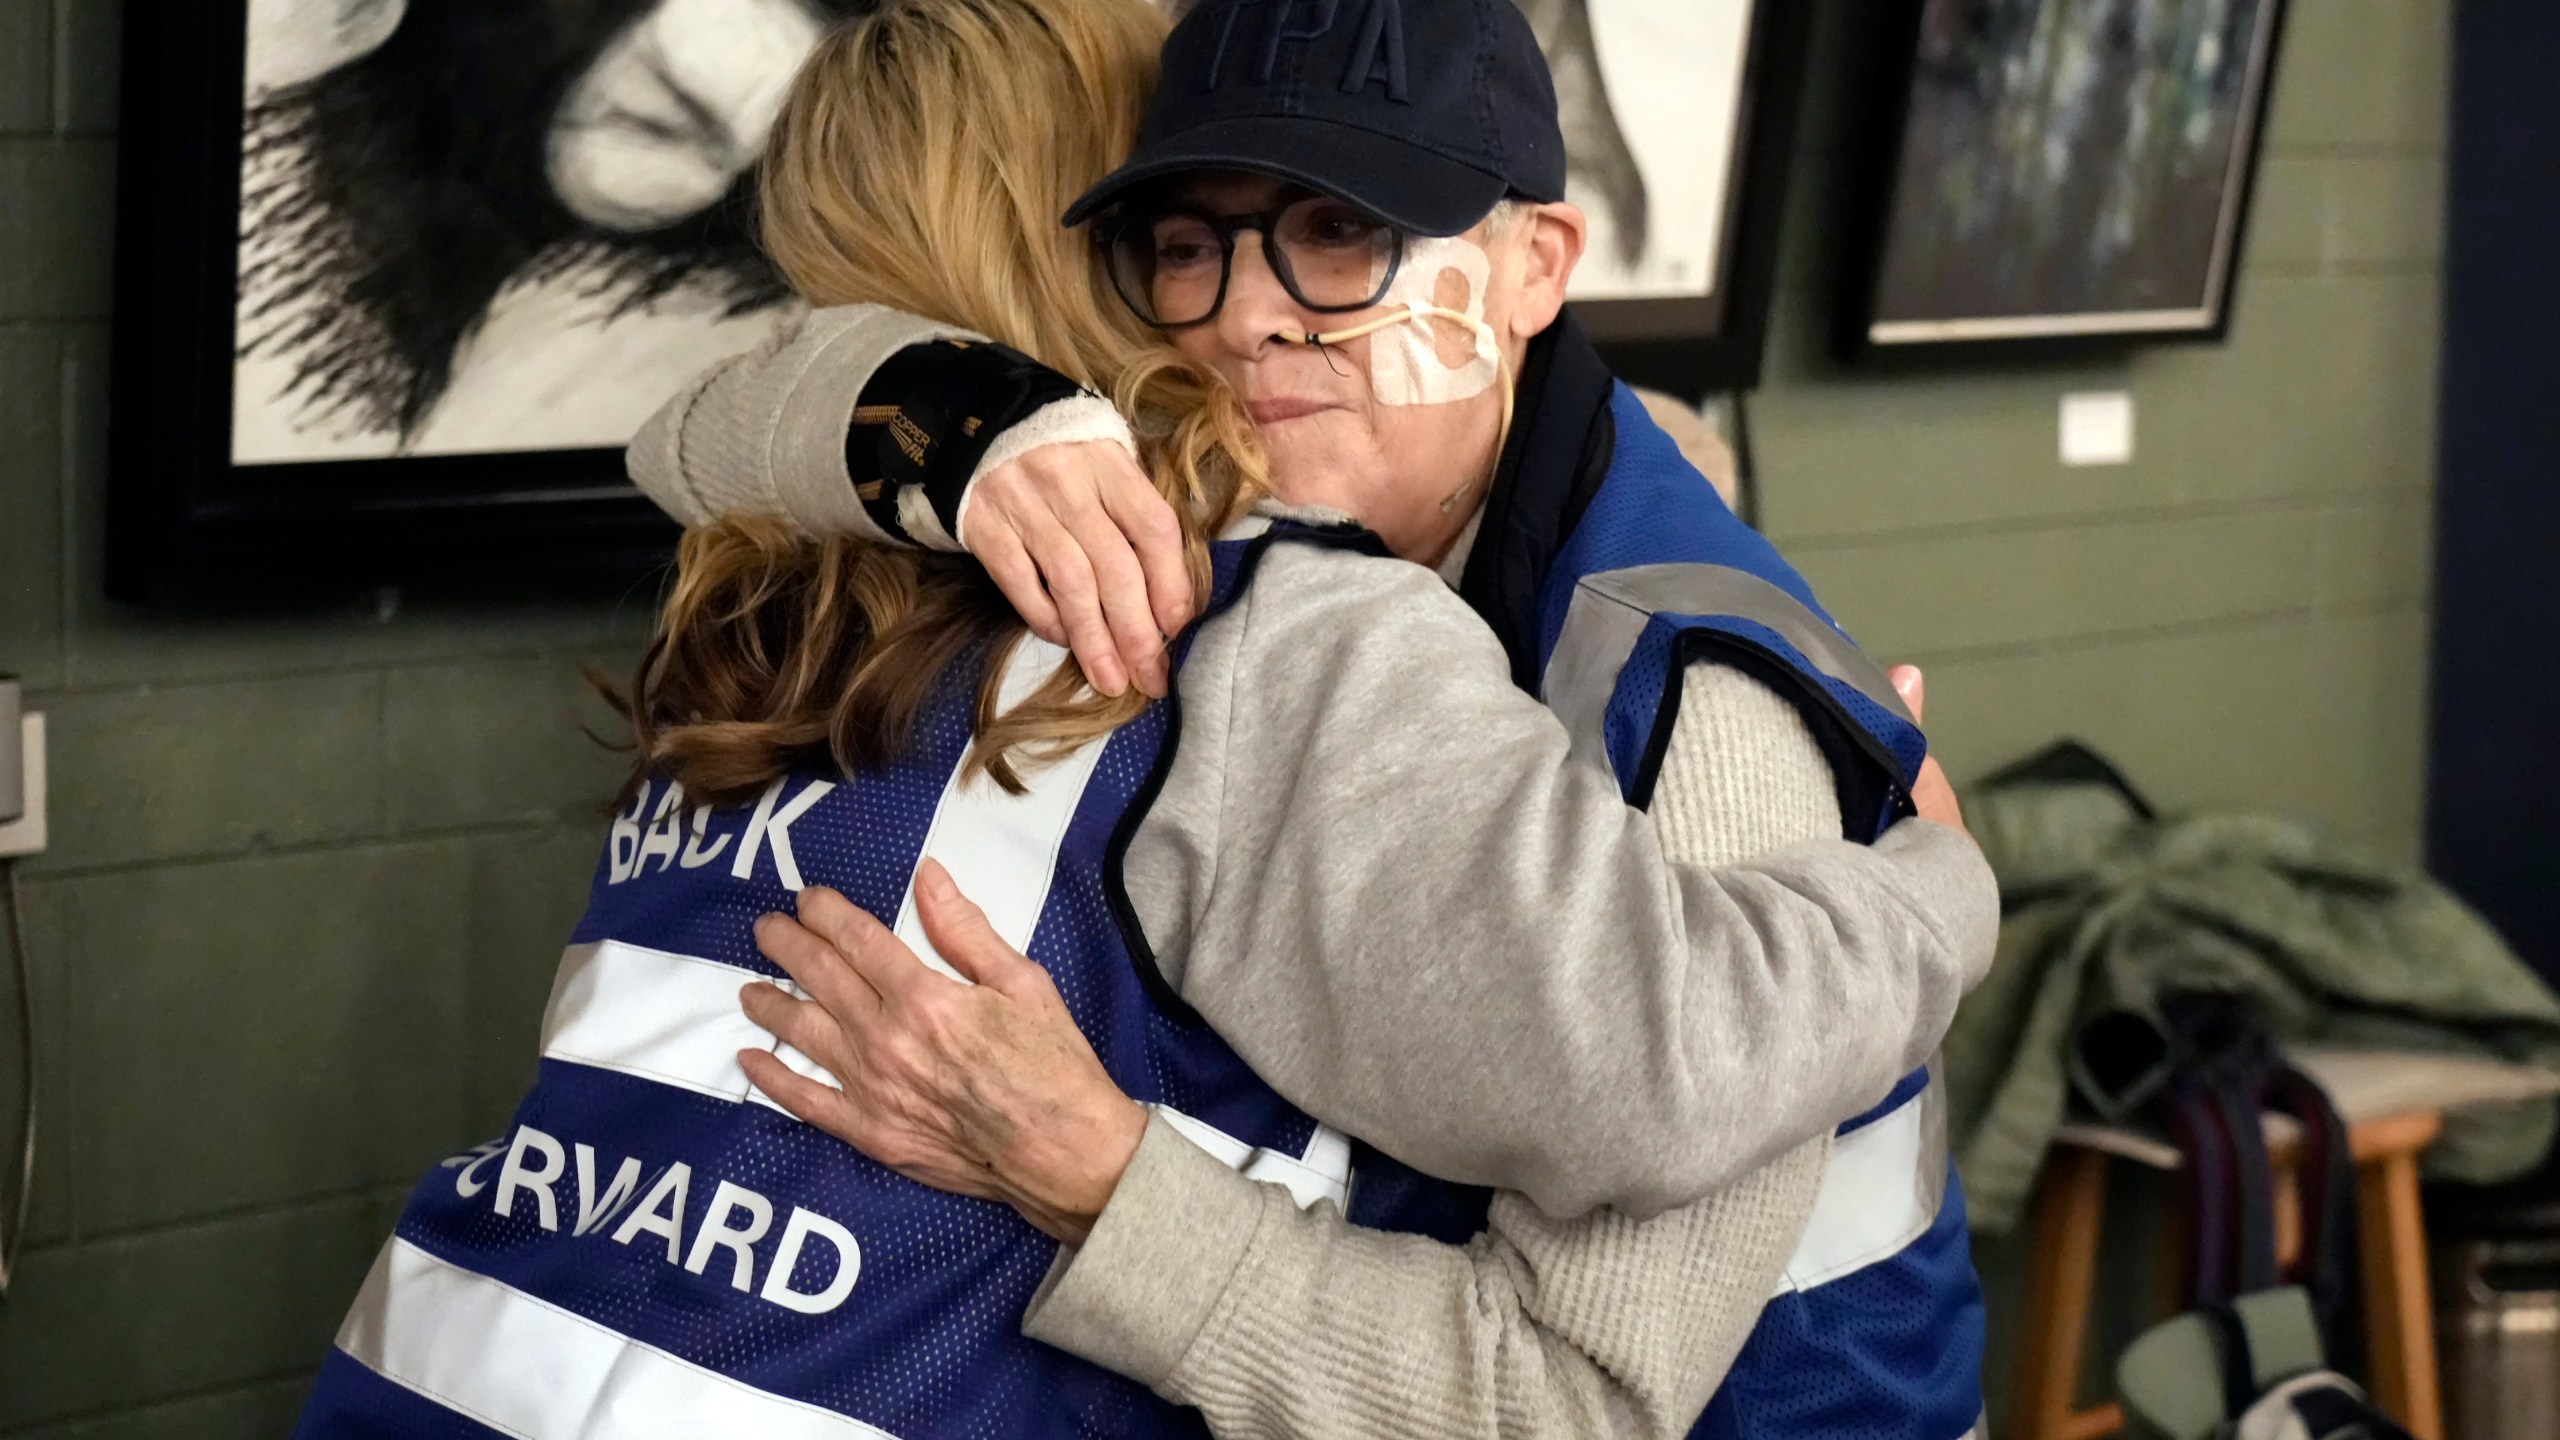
[
  {"x": 1373, "y": 869},
  {"x": 1053, "y": 504},
  {"x": 1220, "y": 1293},
  {"x": 1696, "y": 1024},
  {"x": 1217, "y": 1290},
  {"x": 1275, "y": 1321},
  {"x": 764, "y": 433}
]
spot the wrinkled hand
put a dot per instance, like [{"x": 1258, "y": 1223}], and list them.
[
  {"x": 1931, "y": 794},
  {"x": 1091, "y": 555},
  {"x": 984, "y": 1089}
]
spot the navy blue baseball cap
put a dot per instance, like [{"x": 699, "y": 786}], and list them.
[{"x": 1425, "y": 113}]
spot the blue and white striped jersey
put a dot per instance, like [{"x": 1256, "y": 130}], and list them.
[{"x": 656, "y": 1250}]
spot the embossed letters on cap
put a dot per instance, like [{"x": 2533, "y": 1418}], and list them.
[{"x": 1377, "y": 56}]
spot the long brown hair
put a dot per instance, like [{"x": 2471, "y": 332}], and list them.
[{"x": 920, "y": 162}]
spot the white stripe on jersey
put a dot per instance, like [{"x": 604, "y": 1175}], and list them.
[
  {"x": 662, "y": 1016},
  {"x": 526, "y": 1367},
  {"x": 1002, "y": 850},
  {"x": 1880, "y": 1191},
  {"x": 675, "y": 1019},
  {"x": 1323, "y": 1173}
]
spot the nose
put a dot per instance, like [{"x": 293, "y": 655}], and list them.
[{"x": 1258, "y": 306}]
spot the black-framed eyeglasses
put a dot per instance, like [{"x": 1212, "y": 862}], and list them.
[{"x": 1171, "y": 264}]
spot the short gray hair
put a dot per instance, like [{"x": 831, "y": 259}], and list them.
[{"x": 1505, "y": 216}]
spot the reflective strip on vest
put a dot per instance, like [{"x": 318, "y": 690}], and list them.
[
  {"x": 1611, "y": 611},
  {"x": 1323, "y": 1173},
  {"x": 461, "y": 1338},
  {"x": 675, "y": 1019},
  {"x": 1881, "y": 1189},
  {"x": 991, "y": 841}
]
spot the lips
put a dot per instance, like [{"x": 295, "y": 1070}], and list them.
[{"x": 1272, "y": 412}]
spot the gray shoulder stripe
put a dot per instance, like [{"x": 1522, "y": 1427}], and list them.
[
  {"x": 1600, "y": 632},
  {"x": 1695, "y": 589}
]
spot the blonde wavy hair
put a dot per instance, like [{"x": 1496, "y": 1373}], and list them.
[{"x": 921, "y": 161}]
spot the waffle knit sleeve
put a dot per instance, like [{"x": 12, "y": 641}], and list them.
[
  {"x": 1376, "y": 869},
  {"x": 1279, "y": 1322}
]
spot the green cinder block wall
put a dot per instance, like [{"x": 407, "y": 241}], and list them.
[
  {"x": 2239, "y": 615},
  {"x": 311, "y": 871}
]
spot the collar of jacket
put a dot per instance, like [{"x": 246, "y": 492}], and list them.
[{"x": 1561, "y": 441}]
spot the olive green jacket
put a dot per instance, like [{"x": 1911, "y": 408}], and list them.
[{"x": 2107, "y": 908}]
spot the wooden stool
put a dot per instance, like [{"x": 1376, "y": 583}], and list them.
[{"x": 2398, "y": 1311}]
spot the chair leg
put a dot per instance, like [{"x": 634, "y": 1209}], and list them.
[
  {"x": 2062, "y": 1276},
  {"x": 2287, "y": 1197},
  {"x": 2398, "y": 1305}
]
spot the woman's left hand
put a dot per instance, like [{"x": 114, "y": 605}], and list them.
[{"x": 984, "y": 1089}]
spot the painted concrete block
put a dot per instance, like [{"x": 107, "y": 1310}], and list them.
[
  {"x": 199, "y": 1308},
  {"x": 31, "y": 503},
  {"x": 265, "y": 1030},
  {"x": 498, "y": 741},
  {"x": 26, "y": 67},
  {"x": 62, "y": 208},
  {"x": 206, "y": 770}
]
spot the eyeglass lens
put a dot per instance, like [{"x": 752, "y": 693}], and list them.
[{"x": 1172, "y": 268}]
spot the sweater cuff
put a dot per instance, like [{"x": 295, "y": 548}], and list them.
[
  {"x": 1073, "y": 420},
  {"x": 804, "y": 463},
  {"x": 1167, "y": 1245},
  {"x": 655, "y": 458}
]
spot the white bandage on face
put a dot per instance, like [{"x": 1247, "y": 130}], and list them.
[{"x": 1406, "y": 363}]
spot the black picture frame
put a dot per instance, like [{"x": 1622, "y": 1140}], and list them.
[
  {"x": 184, "y": 524},
  {"x": 1694, "y": 348},
  {"x": 1863, "y": 335}
]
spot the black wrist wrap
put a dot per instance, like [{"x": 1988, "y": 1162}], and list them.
[{"x": 928, "y": 415}]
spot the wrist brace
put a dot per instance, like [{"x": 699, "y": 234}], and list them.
[{"x": 926, "y": 418}]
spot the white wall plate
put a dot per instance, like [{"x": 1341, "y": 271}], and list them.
[
  {"x": 25, "y": 835},
  {"x": 2097, "y": 428}
]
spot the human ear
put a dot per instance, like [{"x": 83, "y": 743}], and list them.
[{"x": 1551, "y": 239}]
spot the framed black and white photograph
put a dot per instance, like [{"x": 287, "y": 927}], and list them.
[
  {"x": 399, "y": 278},
  {"x": 2067, "y": 169},
  {"x": 1678, "y": 122}
]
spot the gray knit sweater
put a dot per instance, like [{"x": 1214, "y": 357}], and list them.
[{"x": 1374, "y": 871}]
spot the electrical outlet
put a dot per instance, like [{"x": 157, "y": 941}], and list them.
[{"x": 25, "y": 835}]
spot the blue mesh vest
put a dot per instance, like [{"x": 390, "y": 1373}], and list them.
[
  {"x": 655, "y": 1250},
  {"x": 1876, "y": 1328}
]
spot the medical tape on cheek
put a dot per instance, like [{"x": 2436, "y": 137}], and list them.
[{"x": 1405, "y": 364}]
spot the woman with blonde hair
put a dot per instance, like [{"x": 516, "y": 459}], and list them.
[{"x": 657, "y": 1249}]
